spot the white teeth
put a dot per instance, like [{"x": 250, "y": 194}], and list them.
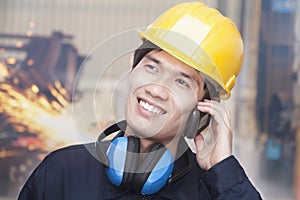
[{"x": 151, "y": 108}]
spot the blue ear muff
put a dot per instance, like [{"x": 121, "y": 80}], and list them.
[
  {"x": 154, "y": 178},
  {"x": 116, "y": 155},
  {"x": 126, "y": 169}
]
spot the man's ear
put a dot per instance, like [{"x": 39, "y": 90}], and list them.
[
  {"x": 206, "y": 93},
  {"x": 210, "y": 92}
]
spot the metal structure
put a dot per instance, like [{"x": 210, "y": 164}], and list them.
[{"x": 36, "y": 83}]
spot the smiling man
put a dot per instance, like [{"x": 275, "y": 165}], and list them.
[
  {"x": 163, "y": 91},
  {"x": 188, "y": 62}
]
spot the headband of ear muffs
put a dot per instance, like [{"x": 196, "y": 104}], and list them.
[{"x": 126, "y": 169}]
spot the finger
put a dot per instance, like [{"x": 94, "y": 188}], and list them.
[
  {"x": 209, "y": 103},
  {"x": 220, "y": 107},
  {"x": 219, "y": 113},
  {"x": 212, "y": 106}
]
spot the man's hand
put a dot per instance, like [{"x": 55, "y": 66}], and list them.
[{"x": 221, "y": 128}]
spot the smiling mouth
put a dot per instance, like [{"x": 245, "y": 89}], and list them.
[{"x": 151, "y": 108}]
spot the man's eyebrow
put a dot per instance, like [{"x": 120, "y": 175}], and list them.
[
  {"x": 150, "y": 57},
  {"x": 188, "y": 76},
  {"x": 155, "y": 60},
  {"x": 191, "y": 77}
]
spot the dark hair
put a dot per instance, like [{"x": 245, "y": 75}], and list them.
[{"x": 142, "y": 50}]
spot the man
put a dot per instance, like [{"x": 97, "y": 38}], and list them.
[{"x": 188, "y": 61}]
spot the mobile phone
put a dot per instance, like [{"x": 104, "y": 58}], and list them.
[{"x": 198, "y": 121}]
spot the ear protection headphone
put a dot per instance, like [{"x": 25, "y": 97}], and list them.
[{"x": 126, "y": 169}]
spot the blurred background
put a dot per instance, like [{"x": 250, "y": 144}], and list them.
[{"x": 50, "y": 81}]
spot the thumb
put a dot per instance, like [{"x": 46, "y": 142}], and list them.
[{"x": 199, "y": 141}]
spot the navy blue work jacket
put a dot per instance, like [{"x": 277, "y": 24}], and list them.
[{"x": 73, "y": 173}]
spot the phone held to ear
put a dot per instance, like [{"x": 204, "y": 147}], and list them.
[{"x": 198, "y": 121}]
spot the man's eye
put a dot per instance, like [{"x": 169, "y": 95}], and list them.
[
  {"x": 183, "y": 82},
  {"x": 151, "y": 68}
]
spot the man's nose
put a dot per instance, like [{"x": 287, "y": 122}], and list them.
[{"x": 157, "y": 91}]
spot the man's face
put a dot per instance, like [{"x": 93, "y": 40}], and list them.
[{"x": 162, "y": 93}]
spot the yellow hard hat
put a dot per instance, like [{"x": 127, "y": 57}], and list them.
[{"x": 202, "y": 38}]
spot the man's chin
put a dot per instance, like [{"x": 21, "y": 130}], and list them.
[
  {"x": 146, "y": 133},
  {"x": 144, "y": 130}
]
